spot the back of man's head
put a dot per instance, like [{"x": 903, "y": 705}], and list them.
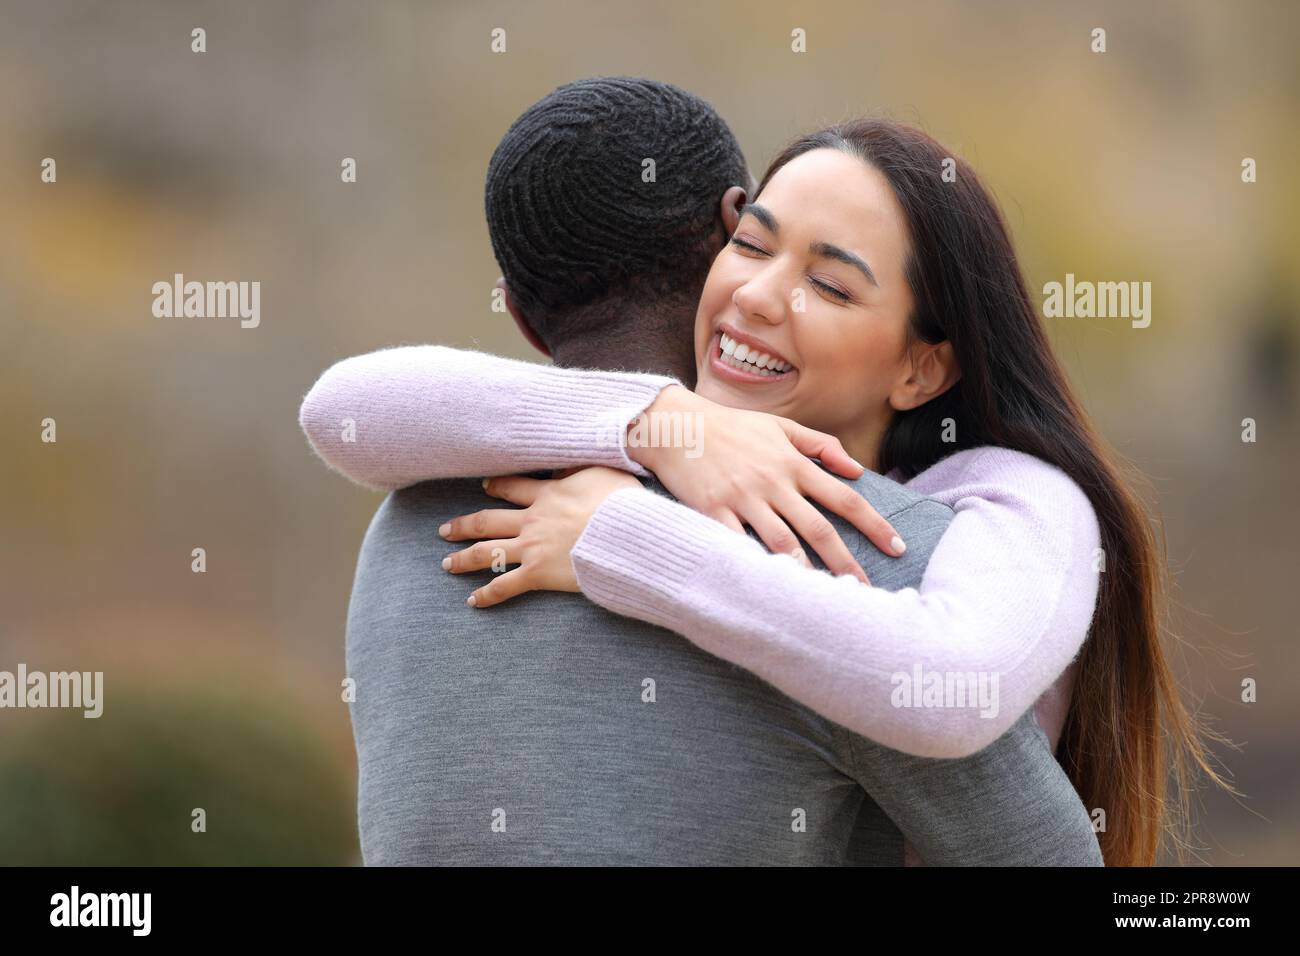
[{"x": 603, "y": 205}]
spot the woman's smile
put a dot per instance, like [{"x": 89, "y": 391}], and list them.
[{"x": 747, "y": 360}]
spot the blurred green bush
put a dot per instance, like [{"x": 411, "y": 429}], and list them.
[{"x": 120, "y": 790}]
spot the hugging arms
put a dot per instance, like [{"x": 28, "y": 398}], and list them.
[{"x": 1008, "y": 592}]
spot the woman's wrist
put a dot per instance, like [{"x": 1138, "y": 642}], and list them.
[
  {"x": 610, "y": 556},
  {"x": 659, "y": 419}
]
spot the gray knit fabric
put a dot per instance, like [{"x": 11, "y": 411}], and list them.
[{"x": 549, "y": 731}]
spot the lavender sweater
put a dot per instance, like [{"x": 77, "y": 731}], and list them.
[{"x": 1007, "y": 597}]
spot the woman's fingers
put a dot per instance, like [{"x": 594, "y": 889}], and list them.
[
  {"x": 483, "y": 555},
  {"x": 514, "y": 488},
  {"x": 820, "y": 536},
  {"x": 826, "y": 448},
  {"x": 727, "y": 516},
  {"x": 848, "y": 504},
  {"x": 493, "y": 523},
  {"x": 814, "y": 527},
  {"x": 771, "y": 530},
  {"x": 502, "y": 588}
]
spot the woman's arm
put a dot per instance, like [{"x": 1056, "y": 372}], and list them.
[
  {"x": 399, "y": 416},
  {"x": 1004, "y": 606}
]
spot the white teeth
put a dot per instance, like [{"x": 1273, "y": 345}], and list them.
[{"x": 753, "y": 361}]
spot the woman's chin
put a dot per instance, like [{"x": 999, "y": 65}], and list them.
[{"x": 708, "y": 386}]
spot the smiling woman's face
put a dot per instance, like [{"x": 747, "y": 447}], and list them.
[{"x": 812, "y": 279}]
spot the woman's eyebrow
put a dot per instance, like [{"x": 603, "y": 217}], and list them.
[
  {"x": 763, "y": 215},
  {"x": 844, "y": 256}
]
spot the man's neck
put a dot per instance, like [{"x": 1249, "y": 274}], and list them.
[{"x": 673, "y": 360}]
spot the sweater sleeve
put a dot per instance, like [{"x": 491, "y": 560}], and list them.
[
  {"x": 398, "y": 416},
  {"x": 1004, "y": 606}
]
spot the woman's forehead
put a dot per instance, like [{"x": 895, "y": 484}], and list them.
[{"x": 835, "y": 194}]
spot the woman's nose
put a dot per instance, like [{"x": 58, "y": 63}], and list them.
[{"x": 763, "y": 297}]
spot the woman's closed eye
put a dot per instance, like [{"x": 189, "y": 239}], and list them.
[
  {"x": 839, "y": 295},
  {"x": 747, "y": 246}
]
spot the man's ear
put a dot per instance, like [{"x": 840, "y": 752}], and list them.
[
  {"x": 934, "y": 371},
  {"x": 729, "y": 207},
  {"x": 521, "y": 320}
]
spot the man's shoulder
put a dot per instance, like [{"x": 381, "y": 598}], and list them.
[
  {"x": 918, "y": 518},
  {"x": 409, "y": 511},
  {"x": 893, "y": 500},
  {"x": 896, "y": 503},
  {"x": 920, "y": 521}
]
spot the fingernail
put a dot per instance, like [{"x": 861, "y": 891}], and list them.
[
  {"x": 485, "y": 483},
  {"x": 897, "y": 545},
  {"x": 445, "y": 529},
  {"x": 446, "y": 563},
  {"x": 470, "y": 600}
]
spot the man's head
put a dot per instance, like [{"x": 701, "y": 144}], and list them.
[{"x": 606, "y": 203}]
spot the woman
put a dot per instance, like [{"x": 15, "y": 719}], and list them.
[{"x": 887, "y": 310}]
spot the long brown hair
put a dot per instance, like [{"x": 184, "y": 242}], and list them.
[{"x": 1127, "y": 725}]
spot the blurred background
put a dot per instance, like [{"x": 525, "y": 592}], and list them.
[{"x": 222, "y": 689}]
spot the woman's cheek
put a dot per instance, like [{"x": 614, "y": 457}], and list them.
[{"x": 711, "y": 303}]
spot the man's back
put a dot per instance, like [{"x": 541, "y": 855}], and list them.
[
  {"x": 585, "y": 737},
  {"x": 548, "y": 730}
]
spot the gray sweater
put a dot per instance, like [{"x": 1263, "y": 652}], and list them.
[{"x": 548, "y": 730}]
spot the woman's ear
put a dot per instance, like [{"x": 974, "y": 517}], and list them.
[
  {"x": 521, "y": 320},
  {"x": 934, "y": 371},
  {"x": 733, "y": 200}
]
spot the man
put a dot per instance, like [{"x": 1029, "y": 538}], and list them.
[{"x": 547, "y": 730}]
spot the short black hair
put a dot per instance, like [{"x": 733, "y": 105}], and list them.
[{"x": 574, "y": 225}]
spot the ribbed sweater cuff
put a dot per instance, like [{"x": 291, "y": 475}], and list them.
[
  {"x": 640, "y": 552},
  {"x": 582, "y": 417}
]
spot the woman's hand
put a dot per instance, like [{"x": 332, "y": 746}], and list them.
[
  {"x": 538, "y": 537},
  {"x": 755, "y": 469}
]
